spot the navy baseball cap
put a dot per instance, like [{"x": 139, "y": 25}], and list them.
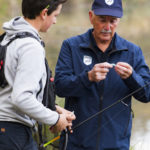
[{"x": 108, "y": 8}]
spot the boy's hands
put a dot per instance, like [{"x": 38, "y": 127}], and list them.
[{"x": 65, "y": 120}]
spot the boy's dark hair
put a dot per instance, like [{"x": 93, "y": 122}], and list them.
[{"x": 32, "y": 8}]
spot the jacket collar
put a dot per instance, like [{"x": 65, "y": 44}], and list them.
[{"x": 119, "y": 42}]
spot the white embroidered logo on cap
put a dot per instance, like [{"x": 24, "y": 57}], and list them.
[
  {"x": 109, "y": 2},
  {"x": 87, "y": 60}
]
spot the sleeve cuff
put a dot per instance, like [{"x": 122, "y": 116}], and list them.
[
  {"x": 132, "y": 81},
  {"x": 56, "y": 121},
  {"x": 85, "y": 80}
]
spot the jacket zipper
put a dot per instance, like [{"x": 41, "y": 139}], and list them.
[{"x": 105, "y": 58}]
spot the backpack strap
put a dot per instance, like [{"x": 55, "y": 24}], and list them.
[
  {"x": 49, "y": 90},
  {"x": 2, "y": 36},
  {"x": 3, "y": 50},
  {"x": 24, "y": 35}
]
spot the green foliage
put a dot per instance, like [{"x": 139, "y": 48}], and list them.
[
  {"x": 3, "y": 8},
  {"x": 3, "y": 11}
]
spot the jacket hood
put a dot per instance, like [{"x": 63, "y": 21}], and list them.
[{"x": 18, "y": 24}]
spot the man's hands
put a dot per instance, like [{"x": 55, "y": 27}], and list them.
[
  {"x": 124, "y": 70},
  {"x": 65, "y": 120},
  {"x": 99, "y": 71}
]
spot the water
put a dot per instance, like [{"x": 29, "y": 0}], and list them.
[{"x": 141, "y": 127}]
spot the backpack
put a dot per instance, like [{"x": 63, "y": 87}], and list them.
[
  {"x": 49, "y": 93},
  {"x": 3, "y": 82}
]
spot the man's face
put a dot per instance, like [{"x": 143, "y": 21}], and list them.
[
  {"x": 51, "y": 19},
  {"x": 104, "y": 27}
]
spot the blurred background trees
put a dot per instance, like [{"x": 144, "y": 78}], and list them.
[{"x": 134, "y": 26}]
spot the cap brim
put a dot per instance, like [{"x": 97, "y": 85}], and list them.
[{"x": 108, "y": 12}]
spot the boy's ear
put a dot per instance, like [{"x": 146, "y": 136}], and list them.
[{"x": 43, "y": 13}]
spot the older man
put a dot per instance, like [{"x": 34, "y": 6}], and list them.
[{"x": 96, "y": 70}]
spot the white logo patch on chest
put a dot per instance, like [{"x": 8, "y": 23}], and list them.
[{"x": 87, "y": 60}]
